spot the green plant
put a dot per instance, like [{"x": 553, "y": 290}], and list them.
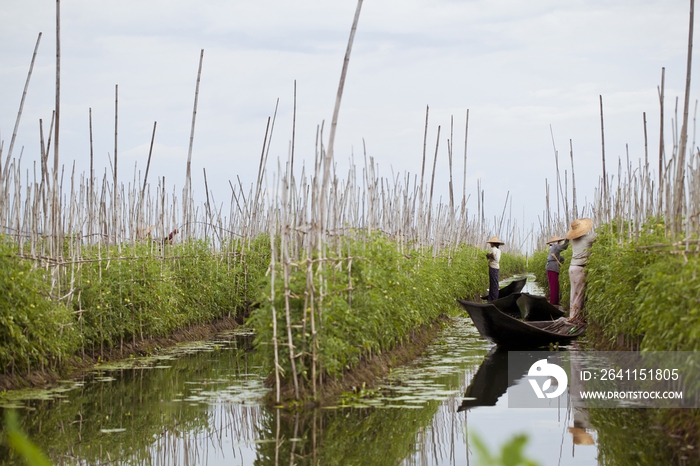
[
  {"x": 369, "y": 304},
  {"x": 512, "y": 453},
  {"x": 36, "y": 329},
  {"x": 21, "y": 444}
]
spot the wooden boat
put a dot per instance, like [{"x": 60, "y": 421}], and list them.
[
  {"x": 528, "y": 307},
  {"x": 533, "y": 308},
  {"x": 516, "y": 286},
  {"x": 509, "y": 305},
  {"x": 508, "y": 332},
  {"x": 493, "y": 378}
]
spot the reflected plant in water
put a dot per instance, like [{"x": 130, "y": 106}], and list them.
[
  {"x": 512, "y": 453},
  {"x": 639, "y": 437}
]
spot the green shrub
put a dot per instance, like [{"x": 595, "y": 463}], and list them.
[
  {"x": 370, "y": 304},
  {"x": 151, "y": 294},
  {"x": 119, "y": 294},
  {"x": 644, "y": 290},
  {"x": 35, "y": 329}
]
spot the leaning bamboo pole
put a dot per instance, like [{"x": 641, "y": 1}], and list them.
[
  {"x": 21, "y": 107},
  {"x": 186, "y": 194},
  {"x": 679, "y": 184}
]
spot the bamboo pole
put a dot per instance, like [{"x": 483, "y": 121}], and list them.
[
  {"x": 449, "y": 161},
  {"x": 188, "y": 173},
  {"x": 661, "y": 143},
  {"x": 432, "y": 182},
  {"x": 464, "y": 183},
  {"x": 679, "y": 195},
  {"x": 3, "y": 170},
  {"x": 602, "y": 145},
  {"x": 341, "y": 84},
  {"x": 573, "y": 181},
  {"x": 115, "y": 199},
  {"x": 57, "y": 112}
]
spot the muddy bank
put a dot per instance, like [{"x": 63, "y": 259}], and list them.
[{"x": 78, "y": 364}]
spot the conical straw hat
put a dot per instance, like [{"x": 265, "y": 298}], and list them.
[
  {"x": 554, "y": 239},
  {"x": 579, "y": 228},
  {"x": 495, "y": 240},
  {"x": 581, "y": 437}
]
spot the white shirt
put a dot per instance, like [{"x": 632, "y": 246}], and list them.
[
  {"x": 582, "y": 249},
  {"x": 496, "y": 253}
]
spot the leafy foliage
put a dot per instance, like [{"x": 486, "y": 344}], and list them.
[
  {"x": 644, "y": 289},
  {"x": 629, "y": 436},
  {"x": 120, "y": 294},
  {"x": 20, "y": 443},
  {"x": 374, "y": 296},
  {"x": 34, "y": 329},
  {"x": 153, "y": 294},
  {"x": 511, "y": 452}
]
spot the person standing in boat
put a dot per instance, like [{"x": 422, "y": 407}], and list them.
[
  {"x": 494, "y": 257},
  {"x": 554, "y": 262},
  {"x": 582, "y": 237}
]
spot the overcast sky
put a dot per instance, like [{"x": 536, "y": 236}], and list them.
[{"x": 518, "y": 66}]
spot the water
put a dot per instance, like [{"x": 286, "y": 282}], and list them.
[{"x": 200, "y": 404}]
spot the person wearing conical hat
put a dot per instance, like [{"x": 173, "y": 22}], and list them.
[
  {"x": 494, "y": 257},
  {"x": 582, "y": 237},
  {"x": 554, "y": 262}
]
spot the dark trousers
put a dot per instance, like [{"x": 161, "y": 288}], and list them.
[
  {"x": 493, "y": 284},
  {"x": 553, "y": 279}
]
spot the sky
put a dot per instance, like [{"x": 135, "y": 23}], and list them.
[{"x": 530, "y": 73}]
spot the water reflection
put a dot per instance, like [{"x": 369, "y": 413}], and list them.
[
  {"x": 493, "y": 378},
  {"x": 201, "y": 405}
]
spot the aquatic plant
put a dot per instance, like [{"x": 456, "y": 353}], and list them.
[{"x": 134, "y": 411}]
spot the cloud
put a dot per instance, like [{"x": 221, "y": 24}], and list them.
[{"x": 518, "y": 66}]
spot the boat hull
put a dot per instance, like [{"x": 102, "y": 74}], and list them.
[{"x": 508, "y": 332}]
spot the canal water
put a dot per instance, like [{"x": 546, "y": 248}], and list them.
[{"x": 200, "y": 404}]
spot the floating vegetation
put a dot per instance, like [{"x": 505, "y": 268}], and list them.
[
  {"x": 112, "y": 431},
  {"x": 427, "y": 379}
]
